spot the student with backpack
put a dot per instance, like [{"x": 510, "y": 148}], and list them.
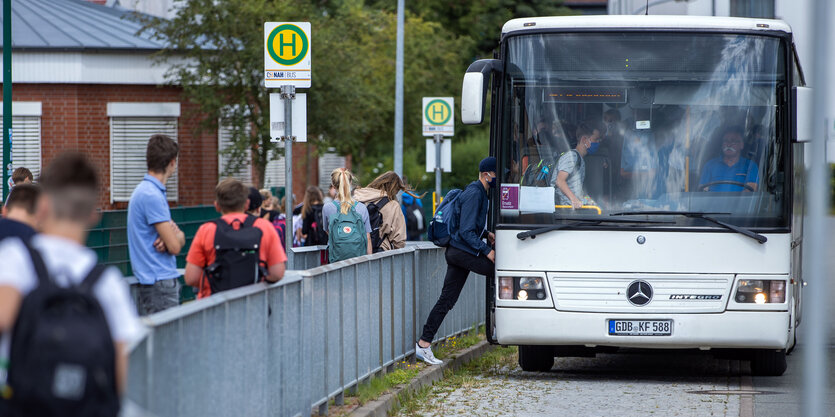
[
  {"x": 388, "y": 226},
  {"x": 235, "y": 250},
  {"x": 64, "y": 321},
  {"x": 466, "y": 251},
  {"x": 349, "y": 229},
  {"x": 571, "y": 169},
  {"x": 313, "y": 224}
]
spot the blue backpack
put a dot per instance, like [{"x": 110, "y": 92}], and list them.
[
  {"x": 346, "y": 237},
  {"x": 443, "y": 223}
]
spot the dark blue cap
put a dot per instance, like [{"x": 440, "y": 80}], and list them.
[{"x": 487, "y": 165}]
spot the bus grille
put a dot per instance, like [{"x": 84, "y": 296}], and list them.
[{"x": 670, "y": 293}]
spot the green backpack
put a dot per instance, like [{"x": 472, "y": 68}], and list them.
[{"x": 346, "y": 237}]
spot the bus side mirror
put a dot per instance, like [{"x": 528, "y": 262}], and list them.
[
  {"x": 802, "y": 118},
  {"x": 474, "y": 90}
]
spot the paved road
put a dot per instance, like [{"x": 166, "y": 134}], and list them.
[
  {"x": 638, "y": 383},
  {"x": 631, "y": 384}
]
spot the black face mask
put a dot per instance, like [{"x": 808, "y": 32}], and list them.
[{"x": 492, "y": 182}]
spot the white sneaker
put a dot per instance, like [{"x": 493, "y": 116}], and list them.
[{"x": 426, "y": 355}]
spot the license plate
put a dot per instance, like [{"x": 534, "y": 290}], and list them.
[{"x": 640, "y": 327}]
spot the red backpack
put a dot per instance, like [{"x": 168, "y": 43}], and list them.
[{"x": 280, "y": 224}]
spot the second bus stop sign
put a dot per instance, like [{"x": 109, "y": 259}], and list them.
[{"x": 437, "y": 116}]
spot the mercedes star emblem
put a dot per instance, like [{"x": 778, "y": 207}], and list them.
[{"x": 639, "y": 293}]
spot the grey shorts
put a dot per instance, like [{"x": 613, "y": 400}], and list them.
[{"x": 159, "y": 296}]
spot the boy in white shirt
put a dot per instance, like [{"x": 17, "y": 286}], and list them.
[{"x": 66, "y": 210}]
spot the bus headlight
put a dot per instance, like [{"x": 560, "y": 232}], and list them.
[
  {"x": 760, "y": 291},
  {"x": 530, "y": 283},
  {"x": 521, "y": 288}
]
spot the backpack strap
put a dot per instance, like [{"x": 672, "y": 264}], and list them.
[
  {"x": 92, "y": 277},
  {"x": 379, "y": 203},
  {"x": 37, "y": 262},
  {"x": 250, "y": 220}
]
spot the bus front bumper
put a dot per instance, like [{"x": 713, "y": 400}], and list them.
[{"x": 731, "y": 329}]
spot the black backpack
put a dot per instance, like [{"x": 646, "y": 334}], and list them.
[
  {"x": 62, "y": 357},
  {"x": 236, "y": 255},
  {"x": 375, "y": 218},
  {"x": 317, "y": 235}
]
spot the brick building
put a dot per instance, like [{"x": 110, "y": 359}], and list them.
[{"x": 83, "y": 80}]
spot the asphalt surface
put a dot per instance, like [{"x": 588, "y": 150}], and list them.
[{"x": 639, "y": 383}]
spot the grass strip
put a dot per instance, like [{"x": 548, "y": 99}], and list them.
[
  {"x": 489, "y": 364},
  {"x": 405, "y": 372}
]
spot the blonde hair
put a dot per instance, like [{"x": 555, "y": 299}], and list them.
[
  {"x": 342, "y": 179},
  {"x": 266, "y": 198}
]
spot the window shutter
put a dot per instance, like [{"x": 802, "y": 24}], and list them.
[
  {"x": 244, "y": 172},
  {"x": 327, "y": 163},
  {"x": 26, "y": 144},
  {"x": 274, "y": 172},
  {"x": 128, "y": 142}
]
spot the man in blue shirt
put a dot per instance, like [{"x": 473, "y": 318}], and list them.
[
  {"x": 730, "y": 167},
  {"x": 466, "y": 252},
  {"x": 153, "y": 238},
  {"x": 19, "y": 218}
]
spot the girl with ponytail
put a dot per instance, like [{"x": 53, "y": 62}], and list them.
[{"x": 346, "y": 220}]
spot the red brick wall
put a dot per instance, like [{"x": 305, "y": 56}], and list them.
[{"x": 74, "y": 117}]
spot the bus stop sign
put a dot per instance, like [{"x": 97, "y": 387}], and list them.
[{"x": 287, "y": 54}]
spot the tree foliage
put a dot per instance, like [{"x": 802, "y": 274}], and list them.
[{"x": 215, "y": 52}]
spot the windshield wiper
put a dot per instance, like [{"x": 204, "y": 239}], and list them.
[
  {"x": 589, "y": 221},
  {"x": 700, "y": 215}
]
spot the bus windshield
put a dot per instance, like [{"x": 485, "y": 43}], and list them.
[{"x": 606, "y": 123}]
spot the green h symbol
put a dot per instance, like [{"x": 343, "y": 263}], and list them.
[
  {"x": 438, "y": 110},
  {"x": 282, "y": 44}
]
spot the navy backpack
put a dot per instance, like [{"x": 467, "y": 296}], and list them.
[{"x": 443, "y": 223}]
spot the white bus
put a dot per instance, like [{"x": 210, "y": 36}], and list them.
[{"x": 688, "y": 234}]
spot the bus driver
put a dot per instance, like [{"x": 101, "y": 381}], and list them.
[{"x": 730, "y": 171}]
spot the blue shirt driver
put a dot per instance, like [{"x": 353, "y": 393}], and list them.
[{"x": 731, "y": 167}]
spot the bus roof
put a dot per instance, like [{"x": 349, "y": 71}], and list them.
[{"x": 645, "y": 22}]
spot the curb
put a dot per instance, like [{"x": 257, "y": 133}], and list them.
[{"x": 428, "y": 376}]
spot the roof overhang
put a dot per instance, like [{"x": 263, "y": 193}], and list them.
[{"x": 103, "y": 67}]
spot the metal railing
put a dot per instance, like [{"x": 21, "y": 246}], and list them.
[{"x": 289, "y": 347}]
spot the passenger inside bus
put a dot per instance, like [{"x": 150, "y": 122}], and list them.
[{"x": 569, "y": 175}]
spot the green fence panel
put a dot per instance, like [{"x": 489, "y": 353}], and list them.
[{"x": 109, "y": 238}]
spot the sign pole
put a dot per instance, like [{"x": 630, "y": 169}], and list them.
[
  {"x": 7, "y": 96},
  {"x": 816, "y": 319},
  {"x": 288, "y": 93},
  {"x": 398, "y": 92},
  {"x": 439, "y": 139}
]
